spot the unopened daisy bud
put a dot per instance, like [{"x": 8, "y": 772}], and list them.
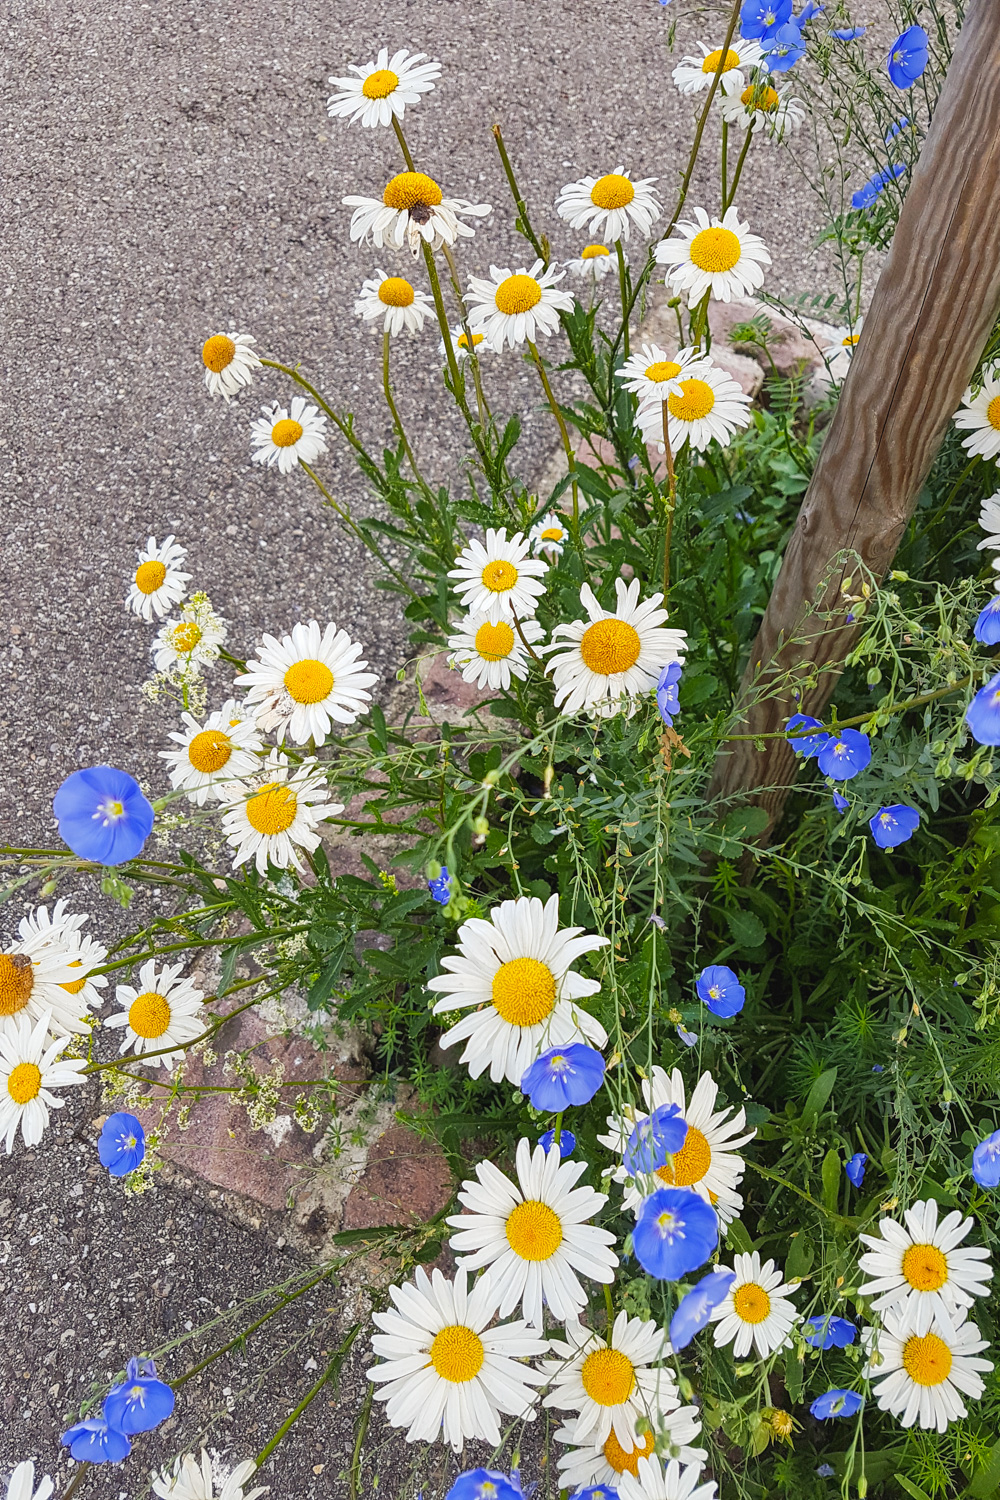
[{"x": 481, "y": 826}]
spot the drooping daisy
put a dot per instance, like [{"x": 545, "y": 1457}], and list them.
[
  {"x": 446, "y": 1371},
  {"x": 656, "y": 1481},
  {"x": 223, "y": 749},
  {"x": 29, "y": 1070},
  {"x": 709, "y": 409},
  {"x": 490, "y": 652},
  {"x": 720, "y": 256},
  {"x": 277, "y": 813},
  {"x": 919, "y": 1267},
  {"x": 610, "y": 1384},
  {"x": 708, "y": 1161},
  {"x": 516, "y": 305},
  {"x": 189, "y": 1480},
  {"x": 654, "y": 375},
  {"x": 384, "y": 88},
  {"x": 230, "y": 362},
  {"x": 989, "y": 521},
  {"x": 187, "y": 645},
  {"x": 165, "y": 1012},
  {"x": 694, "y": 74},
  {"x": 286, "y": 438},
  {"x": 516, "y": 971},
  {"x": 605, "y": 1463},
  {"x": 607, "y": 663},
  {"x": 396, "y": 301},
  {"x": 921, "y": 1378},
  {"x": 34, "y": 974},
  {"x": 771, "y": 112},
  {"x": 412, "y": 209},
  {"x": 158, "y": 584},
  {"x": 593, "y": 260},
  {"x": 533, "y": 1234},
  {"x": 979, "y": 416},
  {"x": 460, "y": 343},
  {"x": 304, "y": 683},
  {"x": 548, "y": 535},
  {"x": 612, "y": 203},
  {"x": 840, "y": 348},
  {"x": 757, "y": 1313},
  {"x": 499, "y": 579},
  {"x": 21, "y": 1484}
]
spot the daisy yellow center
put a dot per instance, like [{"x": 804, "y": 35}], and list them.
[
  {"x": 309, "y": 681},
  {"x": 925, "y": 1268},
  {"x": 209, "y": 750},
  {"x": 499, "y": 575},
  {"x": 272, "y": 810},
  {"x": 75, "y": 985},
  {"x": 218, "y": 352},
  {"x": 594, "y": 252},
  {"x": 186, "y": 636},
  {"x": 690, "y": 1163},
  {"x": 610, "y": 646},
  {"x": 494, "y": 642},
  {"x": 553, "y": 534},
  {"x": 612, "y": 191},
  {"x": 927, "y": 1361},
  {"x": 715, "y": 249},
  {"x": 663, "y": 369},
  {"x": 517, "y": 294},
  {"x": 380, "y": 84},
  {"x": 457, "y": 1353},
  {"x": 850, "y": 340},
  {"x": 781, "y": 1423},
  {"x": 17, "y": 979},
  {"x": 524, "y": 991},
  {"x": 534, "y": 1231},
  {"x": 608, "y": 1377},
  {"x": 751, "y": 1303},
  {"x": 993, "y": 413},
  {"x": 463, "y": 342},
  {"x": 149, "y": 1015},
  {"x": 408, "y": 189},
  {"x": 759, "y": 96},
  {"x": 395, "y": 291},
  {"x": 286, "y": 433},
  {"x": 24, "y": 1082},
  {"x": 149, "y": 576},
  {"x": 713, "y": 62},
  {"x": 628, "y": 1463},
  {"x": 695, "y": 402}
]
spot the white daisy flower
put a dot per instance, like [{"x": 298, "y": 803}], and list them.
[
  {"x": 610, "y": 1384},
  {"x": 460, "y": 343},
  {"x": 656, "y": 1481},
  {"x": 593, "y": 260},
  {"x": 761, "y": 107},
  {"x": 489, "y": 653},
  {"x": 29, "y": 1070},
  {"x": 720, "y": 256},
  {"x": 187, "y": 645},
  {"x": 384, "y": 88},
  {"x": 189, "y": 1480},
  {"x": 707, "y": 1162},
  {"x": 921, "y": 1378},
  {"x": 694, "y": 74},
  {"x": 446, "y": 1371},
  {"x": 989, "y": 520},
  {"x": 82, "y": 958},
  {"x": 709, "y": 409},
  {"x": 21, "y": 1484},
  {"x": 57, "y": 929},
  {"x": 515, "y": 970},
  {"x": 158, "y": 584},
  {"x": 534, "y": 1235},
  {"x": 979, "y": 415},
  {"x": 839, "y": 347},
  {"x": 607, "y": 663},
  {"x": 286, "y": 438},
  {"x": 35, "y": 971},
  {"x": 655, "y": 375},
  {"x": 756, "y": 1313},
  {"x": 613, "y": 203},
  {"x": 278, "y": 813},
  {"x": 412, "y": 209},
  {"x": 62, "y": 933},
  {"x": 516, "y": 305},
  {"x": 396, "y": 301},
  {"x": 606, "y": 1462},
  {"x": 230, "y": 362},
  {"x": 919, "y": 1267},
  {"x": 165, "y": 1012},
  {"x": 224, "y": 748},
  {"x": 499, "y": 579},
  {"x": 549, "y": 535},
  {"x": 304, "y": 683}
]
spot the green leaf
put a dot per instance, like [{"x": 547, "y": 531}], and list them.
[
  {"x": 377, "y": 719},
  {"x": 736, "y": 1234},
  {"x": 747, "y": 928},
  {"x": 832, "y": 1168},
  {"x": 800, "y": 1256},
  {"x": 818, "y": 1095},
  {"x": 793, "y": 1372},
  {"x": 986, "y": 1479},
  {"x": 909, "y": 1488}
]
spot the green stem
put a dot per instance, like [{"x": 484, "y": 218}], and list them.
[
  {"x": 609, "y": 1307},
  {"x": 359, "y": 1441},
  {"x": 217, "y": 1023},
  {"x": 356, "y": 531},
  {"x": 623, "y": 284},
  {"x": 897, "y": 708},
  {"x": 335, "y": 418},
  {"x": 457, "y": 382},
  {"x": 567, "y": 445},
  {"x": 539, "y": 247},
  {"x": 527, "y": 644},
  {"x": 557, "y": 1130},
  {"x": 671, "y": 500},
  {"x": 77, "y": 1480},
  {"x": 307, "y": 1400},
  {"x": 286, "y": 1301},
  {"x": 397, "y": 419},
  {"x": 402, "y": 145},
  {"x": 470, "y": 344}
]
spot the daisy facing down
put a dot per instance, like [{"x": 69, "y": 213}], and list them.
[
  {"x": 500, "y": 578},
  {"x": 158, "y": 583},
  {"x": 606, "y": 663},
  {"x": 516, "y": 305},
  {"x": 165, "y": 1012},
  {"x": 29, "y": 1070},
  {"x": 304, "y": 683},
  {"x": 763, "y": 108},
  {"x": 285, "y": 438},
  {"x": 189, "y": 1480},
  {"x": 610, "y": 1384},
  {"x": 395, "y": 301},
  {"x": 383, "y": 89},
  {"x": 756, "y": 1314},
  {"x": 515, "y": 973},
  {"x": 922, "y": 1378},
  {"x": 613, "y": 204},
  {"x": 593, "y": 261},
  {"x": 225, "y": 748},
  {"x": 489, "y": 653},
  {"x": 230, "y": 362},
  {"x": 709, "y": 407},
  {"x": 412, "y": 209},
  {"x": 920, "y": 1267},
  {"x": 277, "y": 814},
  {"x": 720, "y": 256}
]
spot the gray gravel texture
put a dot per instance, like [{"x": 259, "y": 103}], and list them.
[{"x": 169, "y": 171}]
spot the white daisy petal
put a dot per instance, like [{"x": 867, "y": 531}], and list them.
[
  {"x": 30, "y": 1068},
  {"x": 411, "y": 211},
  {"x": 277, "y": 813},
  {"x": 304, "y": 683},
  {"x": 757, "y": 1312},
  {"x": 605, "y": 666},
  {"x": 188, "y": 1479},
  {"x": 489, "y": 653},
  {"x": 383, "y": 89},
  {"x": 610, "y": 1384},
  {"x": 282, "y": 438},
  {"x": 516, "y": 305},
  {"x": 920, "y": 1271},
  {"x": 499, "y": 580},
  {"x": 920, "y": 1377},
  {"x": 395, "y": 301},
  {"x": 719, "y": 256},
  {"x": 230, "y": 361},
  {"x": 158, "y": 583},
  {"x": 707, "y": 406},
  {"x": 225, "y": 748},
  {"x": 612, "y": 203},
  {"x": 979, "y": 416}
]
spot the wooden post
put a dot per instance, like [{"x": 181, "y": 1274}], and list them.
[{"x": 935, "y": 304}]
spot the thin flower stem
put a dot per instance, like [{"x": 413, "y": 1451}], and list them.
[
  {"x": 217, "y": 1024},
  {"x": 356, "y": 531},
  {"x": 285, "y": 1301},
  {"x": 309, "y": 1397},
  {"x": 540, "y": 247},
  {"x": 557, "y": 1130},
  {"x": 335, "y": 418},
  {"x": 470, "y": 345},
  {"x": 397, "y": 419},
  {"x": 223, "y": 942},
  {"x": 77, "y": 1480},
  {"x": 623, "y": 284},
  {"x": 401, "y": 138},
  {"x": 671, "y": 499},
  {"x": 567, "y": 445},
  {"x": 359, "y": 1441},
  {"x": 897, "y": 708},
  {"x": 609, "y": 1307},
  {"x": 457, "y": 380},
  {"x": 526, "y": 644},
  {"x": 730, "y": 193}
]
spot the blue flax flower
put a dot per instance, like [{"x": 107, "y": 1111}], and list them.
[
  {"x": 596, "y": 1492},
  {"x": 855, "y": 1168},
  {"x": 667, "y": 698},
  {"x": 848, "y": 33},
  {"x": 840, "y": 803},
  {"x": 94, "y": 1441},
  {"x": 894, "y": 825},
  {"x": 986, "y": 1161},
  {"x": 440, "y": 888},
  {"x": 983, "y": 713},
  {"x": 689, "y": 1038},
  {"x": 675, "y": 1233},
  {"x": 783, "y": 48},
  {"x": 567, "y": 1141},
  {"x": 806, "y": 744},
  {"x": 102, "y": 815},
  {"x": 141, "y": 1402},
  {"x": 826, "y": 1471},
  {"x": 903, "y": 123},
  {"x": 988, "y": 625},
  {"x": 869, "y": 191},
  {"x": 122, "y": 1144},
  {"x": 760, "y": 18},
  {"x": 844, "y": 755},
  {"x": 484, "y": 1484},
  {"x": 907, "y": 57},
  {"x": 837, "y": 1404},
  {"x": 829, "y": 1332},
  {"x": 808, "y": 13},
  {"x": 721, "y": 990},
  {"x": 564, "y": 1076},
  {"x": 694, "y": 1311},
  {"x": 653, "y": 1140}
]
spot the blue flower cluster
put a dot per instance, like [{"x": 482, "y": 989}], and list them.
[{"x": 140, "y": 1403}]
